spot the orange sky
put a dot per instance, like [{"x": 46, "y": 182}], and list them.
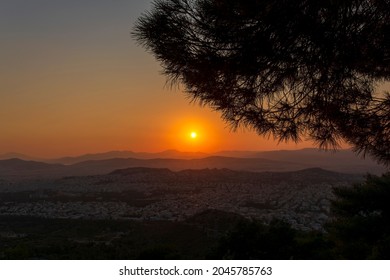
[{"x": 72, "y": 81}]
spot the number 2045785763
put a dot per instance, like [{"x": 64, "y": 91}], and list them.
[{"x": 242, "y": 270}]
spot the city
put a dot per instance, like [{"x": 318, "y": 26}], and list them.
[{"x": 301, "y": 198}]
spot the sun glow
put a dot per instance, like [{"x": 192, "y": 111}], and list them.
[{"x": 193, "y": 134}]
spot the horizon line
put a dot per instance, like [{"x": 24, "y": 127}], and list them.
[{"x": 18, "y": 154}]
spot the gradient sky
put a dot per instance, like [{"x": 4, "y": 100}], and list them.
[{"x": 73, "y": 81}]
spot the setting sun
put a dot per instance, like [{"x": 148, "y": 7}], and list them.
[{"x": 193, "y": 134}]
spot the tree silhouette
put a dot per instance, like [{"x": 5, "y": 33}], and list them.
[
  {"x": 254, "y": 240},
  {"x": 288, "y": 68},
  {"x": 360, "y": 227}
]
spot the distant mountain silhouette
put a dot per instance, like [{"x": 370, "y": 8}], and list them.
[
  {"x": 17, "y": 165},
  {"x": 173, "y": 154},
  {"x": 249, "y": 164},
  {"x": 342, "y": 161},
  {"x": 19, "y": 169},
  {"x": 19, "y": 156}
]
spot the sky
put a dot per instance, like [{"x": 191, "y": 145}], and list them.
[{"x": 74, "y": 81}]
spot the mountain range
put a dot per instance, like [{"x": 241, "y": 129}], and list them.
[{"x": 345, "y": 161}]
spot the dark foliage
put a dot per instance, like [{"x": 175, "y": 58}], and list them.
[
  {"x": 361, "y": 225},
  {"x": 285, "y": 68},
  {"x": 38, "y": 238},
  {"x": 254, "y": 240},
  {"x": 278, "y": 240}
]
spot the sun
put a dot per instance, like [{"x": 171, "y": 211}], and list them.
[{"x": 193, "y": 134}]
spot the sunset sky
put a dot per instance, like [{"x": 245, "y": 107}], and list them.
[{"x": 73, "y": 81}]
